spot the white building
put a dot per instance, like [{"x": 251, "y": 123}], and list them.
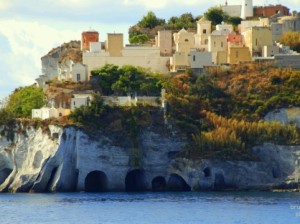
[
  {"x": 79, "y": 73},
  {"x": 243, "y": 11},
  {"x": 45, "y": 113},
  {"x": 200, "y": 59},
  {"x": 79, "y": 100},
  {"x": 247, "y": 9}
]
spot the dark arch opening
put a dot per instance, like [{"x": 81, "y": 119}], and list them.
[
  {"x": 219, "y": 181},
  {"x": 207, "y": 172},
  {"x": 159, "y": 184},
  {"x": 51, "y": 179},
  {"x": 135, "y": 181},
  {"x": 177, "y": 183},
  {"x": 96, "y": 181}
]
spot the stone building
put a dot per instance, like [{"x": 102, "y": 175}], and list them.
[
  {"x": 271, "y": 10},
  {"x": 87, "y": 37}
]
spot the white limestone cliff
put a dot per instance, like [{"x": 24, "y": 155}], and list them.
[{"x": 68, "y": 159}]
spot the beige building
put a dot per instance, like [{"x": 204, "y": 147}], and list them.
[
  {"x": 164, "y": 42},
  {"x": 178, "y": 61},
  {"x": 270, "y": 51},
  {"x": 246, "y": 24},
  {"x": 237, "y": 54},
  {"x": 143, "y": 56},
  {"x": 184, "y": 41},
  {"x": 203, "y": 32},
  {"x": 256, "y": 38},
  {"x": 217, "y": 42},
  {"x": 114, "y": 44}
]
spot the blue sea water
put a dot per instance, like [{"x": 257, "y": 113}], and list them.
[{"x": 143, "y": 208}]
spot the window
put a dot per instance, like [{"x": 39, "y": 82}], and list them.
[
  {"x": 78, "y": 77},
  {"x": 214, "y": 43},
  {"x": 204, "y": 31},
  {"x": 194, "y": 58},
  {"x": 186, "y": 40},
  {"x": 236, "y": 54},
  {"x": 256, "y": 42},
  {"x": 205, "y": 41},
  {"x": 222, "y": 44}
]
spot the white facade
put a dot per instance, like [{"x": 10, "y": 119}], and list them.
[
  {"x": 79, "y": 100},
  {"x": 232, "y": 10},
  {"x": 247, "y": 9},
  {"x": 224, "y": 27},
  {"x": 79, "y": 73},
  {"x": 199, "y": 59},
  {"x": 44, "y": 113},
  {"x": 95, "y": 47}
]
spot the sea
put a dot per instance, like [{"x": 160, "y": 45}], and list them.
[{"x": 158, "y": 208}]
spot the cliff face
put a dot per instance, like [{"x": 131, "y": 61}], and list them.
[
  {"x": 68, "y": 159},
  {"x": 58, "y": 58}
]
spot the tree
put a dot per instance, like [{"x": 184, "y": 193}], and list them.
[
  {"x": 107, "y": 75},
  {"x": 291, "y": 39},
  {"x": 21, "y": 102},
  {"x": 234, "y": 20},
  {"x": 140, "y": 39},
  {"x": 150, "y": 21},
  {"x": 186, "y": 20},
  {"x": 216, "y": 15}
]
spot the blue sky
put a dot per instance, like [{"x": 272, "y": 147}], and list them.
[{"x": 31, "y": 28}]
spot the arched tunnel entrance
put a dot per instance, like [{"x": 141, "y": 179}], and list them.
[
  {"x": 96, "y": 181},
  {"x": 159, "y": 184},
  {"x": 135, "y": 180},
  {"x": 177, "y": 183}
]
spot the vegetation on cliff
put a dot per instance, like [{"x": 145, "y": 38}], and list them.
[
  {"x": 291, "y": 39},
  {"x": 221, "y": 112},
  {"x": 127, "y": 79},
  {"x": 20, "y": 103}
]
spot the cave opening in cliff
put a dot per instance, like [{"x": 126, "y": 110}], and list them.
[
  {"x": 219, "y": 182},
  {"x": 135, "y": 180},
  {"x": 159, "y": 184},
  {"x": 177, "y": 183},
  {"x": 207, "y": 172},
  {"x": 51, "y": 179},
  {"x": 96, "y": 181}
]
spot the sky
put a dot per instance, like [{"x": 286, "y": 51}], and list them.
[{"x": 29, "y": 29}]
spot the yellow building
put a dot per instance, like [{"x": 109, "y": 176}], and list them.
[
  {"x": 114, "y": 44},
  {"x": 237, "y": 54},
  {"x": 220, "y": 57},
  {"x": 256, "y": 38}
]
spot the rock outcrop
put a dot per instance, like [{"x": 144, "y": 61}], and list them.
[{"x": 69, "y": 159}]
